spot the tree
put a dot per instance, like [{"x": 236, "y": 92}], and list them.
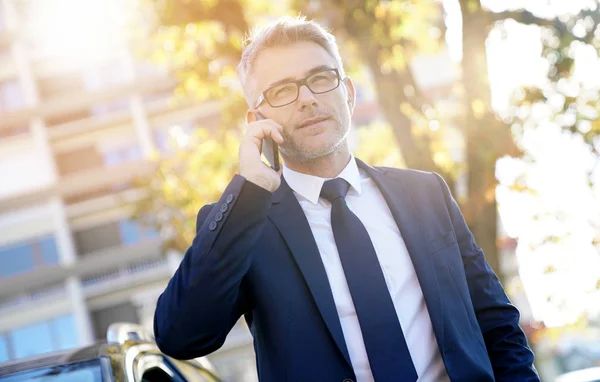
[
  {"x": 564, "y": 106},
  {"x": 486, "y": 145},
  {"x": 570, "y": 100}
]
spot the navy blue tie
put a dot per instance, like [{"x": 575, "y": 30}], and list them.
[{"x": 386, "y": 347}]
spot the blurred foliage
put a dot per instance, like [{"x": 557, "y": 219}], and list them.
[
  {"x": 195, "y": 171},
  {"x": 567, "y": 99},
  {"x": 377, "y": 145}
]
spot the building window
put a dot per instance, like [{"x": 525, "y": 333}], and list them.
[
  {"x": 109, "y": 107},
  {"x": 42, "y": 337},
  {"x": 80, "y": 159},
  {"x": 64, "y": 332},
  {"x": 132, "y": 232},
  {"x": 169, "y": 138},
  {"x": 4, "y": 356},
  {"x": 60, "y": 85},
  {"x": 110, "y": 235},
  {"x": 25, "y": 257},
  {"x": 108, "y": 75},
  {"x": 103, "y": 318},
  {"x": 105, "y": 76},
  {"x": 32, "y": 340},
  {"x": 11, "y": 95},
  {"x": 48, "y": 250},
  {"x": 97, "y": 238},
  {"x": 122, "y": 154},
  {"x": 16, "y": 260}
]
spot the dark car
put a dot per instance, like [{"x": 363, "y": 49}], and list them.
[{"x": 129, "y": 355}]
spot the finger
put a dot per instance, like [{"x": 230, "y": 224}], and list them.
[
  {"x": 266, "y": 122},
  {"x": 273, "y": 123},
  {"x": 269, "y": 122},
  {"x": 261, "y": 130},
  {"x": 277, "y": 136}
]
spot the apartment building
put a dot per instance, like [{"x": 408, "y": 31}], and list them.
[{"x": 73, "y": 134}]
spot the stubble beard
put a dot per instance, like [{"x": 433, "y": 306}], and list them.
[{"x": 299, "y": 153}]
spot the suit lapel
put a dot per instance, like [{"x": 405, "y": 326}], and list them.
[
  {"x": 289, "y": 218},
  {"x": 287, "y": 215},
  {"x": 412, "y": 229}
]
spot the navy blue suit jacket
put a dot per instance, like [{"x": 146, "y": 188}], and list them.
[{"x": 254, "y": 255}]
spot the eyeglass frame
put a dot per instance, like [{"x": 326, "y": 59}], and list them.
[{"x": 299, "y": 83}]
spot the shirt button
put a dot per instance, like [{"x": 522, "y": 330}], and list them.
[
  {"x": 224, "y": 207},
  {"x": 347, "y": 380},
  {"x": 212, "y": 226},
  {"x": 218, "y": 216},
  {"x": 229, "y": 198}
]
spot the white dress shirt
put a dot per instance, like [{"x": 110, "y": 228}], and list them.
[{"x": 365, "y": 201}]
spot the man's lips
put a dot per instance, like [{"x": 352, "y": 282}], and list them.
[{"x": 312, "y": 121}]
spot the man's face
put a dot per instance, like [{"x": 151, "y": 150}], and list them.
[{"x": 302, "y": 141}]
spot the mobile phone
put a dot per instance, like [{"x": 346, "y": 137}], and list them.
[{"x": 270, "y": 149}]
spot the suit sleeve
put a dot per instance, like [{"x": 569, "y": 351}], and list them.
[
  {"x": 207, "y": 294},
  {"x": 509, "y": 353}
]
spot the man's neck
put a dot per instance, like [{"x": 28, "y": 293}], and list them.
[{"x": 328, "y": 166}]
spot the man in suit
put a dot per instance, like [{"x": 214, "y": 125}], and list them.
[{"x": 343, "y": 271}]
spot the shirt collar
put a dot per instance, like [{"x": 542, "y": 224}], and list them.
[{"x": 309, "y": 186}]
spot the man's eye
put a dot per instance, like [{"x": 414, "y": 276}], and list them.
[
  {"x": 324, "y": 79},
  {"x": 320, "y": 78},
  {"x": 286, "y": 89}
]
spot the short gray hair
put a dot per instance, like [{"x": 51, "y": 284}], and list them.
[{"x": 282, "y": 32}]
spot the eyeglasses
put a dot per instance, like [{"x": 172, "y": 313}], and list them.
[{"x": 287, "y": 93}]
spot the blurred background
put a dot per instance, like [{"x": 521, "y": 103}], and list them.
[{"x": 119, "y": 119}]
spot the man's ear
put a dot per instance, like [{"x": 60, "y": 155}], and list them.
[
  {"x": 251, "y": 115},
  {"x": 350, "y": 93}
]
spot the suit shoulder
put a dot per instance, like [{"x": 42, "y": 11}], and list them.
[
  {"x": 407, "y": 174},
  {"x": 203, "y": 214},
  {"x": 416, "y": 181}
]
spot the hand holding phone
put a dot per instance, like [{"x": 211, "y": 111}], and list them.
[
  {"x": 270, "y": 149},
  {"x": 261, "y": 137}
]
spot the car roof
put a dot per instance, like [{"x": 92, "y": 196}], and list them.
[
  {"x": 53, "y": 359},
  {"x": 583, "y": 375}
]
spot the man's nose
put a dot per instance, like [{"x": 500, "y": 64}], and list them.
[{"x": 306, "y": 97}]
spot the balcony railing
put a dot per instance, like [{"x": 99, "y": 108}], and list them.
[
  {"x": 96, "y": 178},
  {"x": 34, "y": 297},
  {"x": 105, "y": 260},
  {"x": 103, "y": 282},
  {"x": 73, "y": 102},
  {"x": 125, "y": 277}
]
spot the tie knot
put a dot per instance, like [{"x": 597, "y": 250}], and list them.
[{"x": 334, "y": 188}]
